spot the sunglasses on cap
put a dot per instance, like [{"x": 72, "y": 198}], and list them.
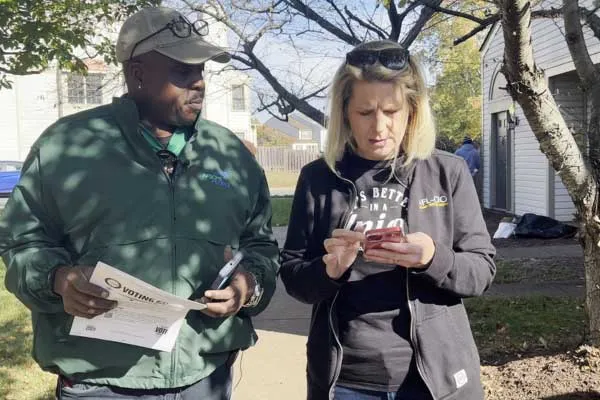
[
  {"x": 180, "y": 27},
  {"x": 396, "y": 59},
  {"x": 168, "y": 161}
]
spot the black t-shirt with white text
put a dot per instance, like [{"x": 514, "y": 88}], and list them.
[{"x": 372, "y": 307}]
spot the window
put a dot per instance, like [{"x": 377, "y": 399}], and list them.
[
  {"x": 238, "y": 97},
  {"x": 305, "y": 134},
  {"x": 84, "y": 89}
]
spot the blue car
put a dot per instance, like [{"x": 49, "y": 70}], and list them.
[{"x": 10, "y": 171}]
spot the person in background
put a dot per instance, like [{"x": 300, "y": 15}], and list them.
[
  {"x": 145, "y": 185},
  {"x": 388, "y": 323},
  {"x": 470, "y": 153}
]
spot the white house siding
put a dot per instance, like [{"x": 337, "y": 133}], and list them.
[
  {"x": 38, "y": 107},
  {"x": 530, "y": 171},
  {"x": 9, "y": 138},
  {"x": 34, "y": 103},
  {"x": 567, "y": 92},
  {"x": 219, "y": 83},
  {"x": 27, "y": 109},
  {"x": 219, "y": 103},
  {"x": 531, "y": 183}
]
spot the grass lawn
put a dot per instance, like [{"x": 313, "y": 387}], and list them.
[
  {"x": 523, "y": 325},
  {"x": 539, "y": 270},
  {"x": 282, "y": 179},
  {"x": 281, "y": 210},
  {"x": 20, "y": 377}
]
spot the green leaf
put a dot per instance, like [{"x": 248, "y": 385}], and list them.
[{"x": 35, "y": 33}]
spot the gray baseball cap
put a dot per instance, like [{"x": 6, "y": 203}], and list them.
[{"x": 139, "y": 35}]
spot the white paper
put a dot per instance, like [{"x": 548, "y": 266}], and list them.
[
  {"x": 145, "y": 315},
  {"x": 505, "y": 230}
]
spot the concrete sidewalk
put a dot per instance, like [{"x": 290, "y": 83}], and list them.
[
  {"x": 276, "y": 367},
  {"x": 282, "y": 191}
]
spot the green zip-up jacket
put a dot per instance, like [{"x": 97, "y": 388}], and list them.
[{"x": 92, "y": 189}]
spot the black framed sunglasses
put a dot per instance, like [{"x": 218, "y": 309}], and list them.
[
  {"x": 180, "y": 27},
  {"x": 168, "y": 160},
  {"x": 396, "y": 59}
]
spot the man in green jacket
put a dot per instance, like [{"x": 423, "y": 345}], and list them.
[{"x": 148, "y": 186}]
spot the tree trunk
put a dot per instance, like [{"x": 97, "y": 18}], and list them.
[{"x": 591, "y": 236}]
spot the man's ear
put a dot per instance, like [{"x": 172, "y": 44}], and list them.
[{"x": 135, "y": 73}]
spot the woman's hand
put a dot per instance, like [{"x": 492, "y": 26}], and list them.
[
  {"x": 416, "y": 252},
  {"x": 342, "y": 248}
]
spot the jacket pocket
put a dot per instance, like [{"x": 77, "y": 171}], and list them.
[
  {"x": 84, "y": 391},
  {"x": 448, "y": 356}
]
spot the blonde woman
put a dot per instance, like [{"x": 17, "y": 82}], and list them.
[{"x": 387, "y": 323}]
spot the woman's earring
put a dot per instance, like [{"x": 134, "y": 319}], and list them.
[{"x": 139, "y": 84}]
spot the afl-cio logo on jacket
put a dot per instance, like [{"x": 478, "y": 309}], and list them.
[
  {"x": 113, "y": 283},
  {"x": 435, "y": 201}
]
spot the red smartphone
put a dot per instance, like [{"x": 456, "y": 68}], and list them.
[{"x": 375, "y": 237}]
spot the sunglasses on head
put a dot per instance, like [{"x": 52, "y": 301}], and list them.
[{"x": 396, "y": 59}]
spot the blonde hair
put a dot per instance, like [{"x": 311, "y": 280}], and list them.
[{"x": 419, "y": 139}]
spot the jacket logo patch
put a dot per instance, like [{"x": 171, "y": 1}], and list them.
[
  {"x": 435, "y": 201},
  {"x": 220, "y": 178},
  {"x": 460, "y": 378}
]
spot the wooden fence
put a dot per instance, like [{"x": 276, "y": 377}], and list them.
[{"x": 284, "y": 158}]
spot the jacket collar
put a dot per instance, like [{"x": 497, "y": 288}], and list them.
[{"x": 126, "y": 113}]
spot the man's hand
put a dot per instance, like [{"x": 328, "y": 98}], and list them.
[
  {"x": 342, "y": 248},
  {"x": 228, "y": 301},
  {"x": 416, "y": 252},
  {"x": 80, "y": 297}
]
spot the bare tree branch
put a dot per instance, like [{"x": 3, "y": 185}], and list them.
[
  {"x": 476, "y": 30},
  {"x": 271, "y": 8},
  {"x": 305, "y": 31},
  {"x": 407, "y": 10},
  {"x": 592, "y": 20},
  {"x": 395, "y": 21},
  {"x": 339, "y": 12},
  {"x": 312, "y": 15},
  {"x": 297, "y": 103},
  {"x": 266, "y": 28},
  {"x": 426, "y": 14},
  {"x": 218, "y": 14},
  {"x": 267, "y": 107},
  {"x": 432, "y": 5},
  {"x": 315, "y": 93},
  {"x": 587, "y": 71},
  {"x": 367, "y": 25}
]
